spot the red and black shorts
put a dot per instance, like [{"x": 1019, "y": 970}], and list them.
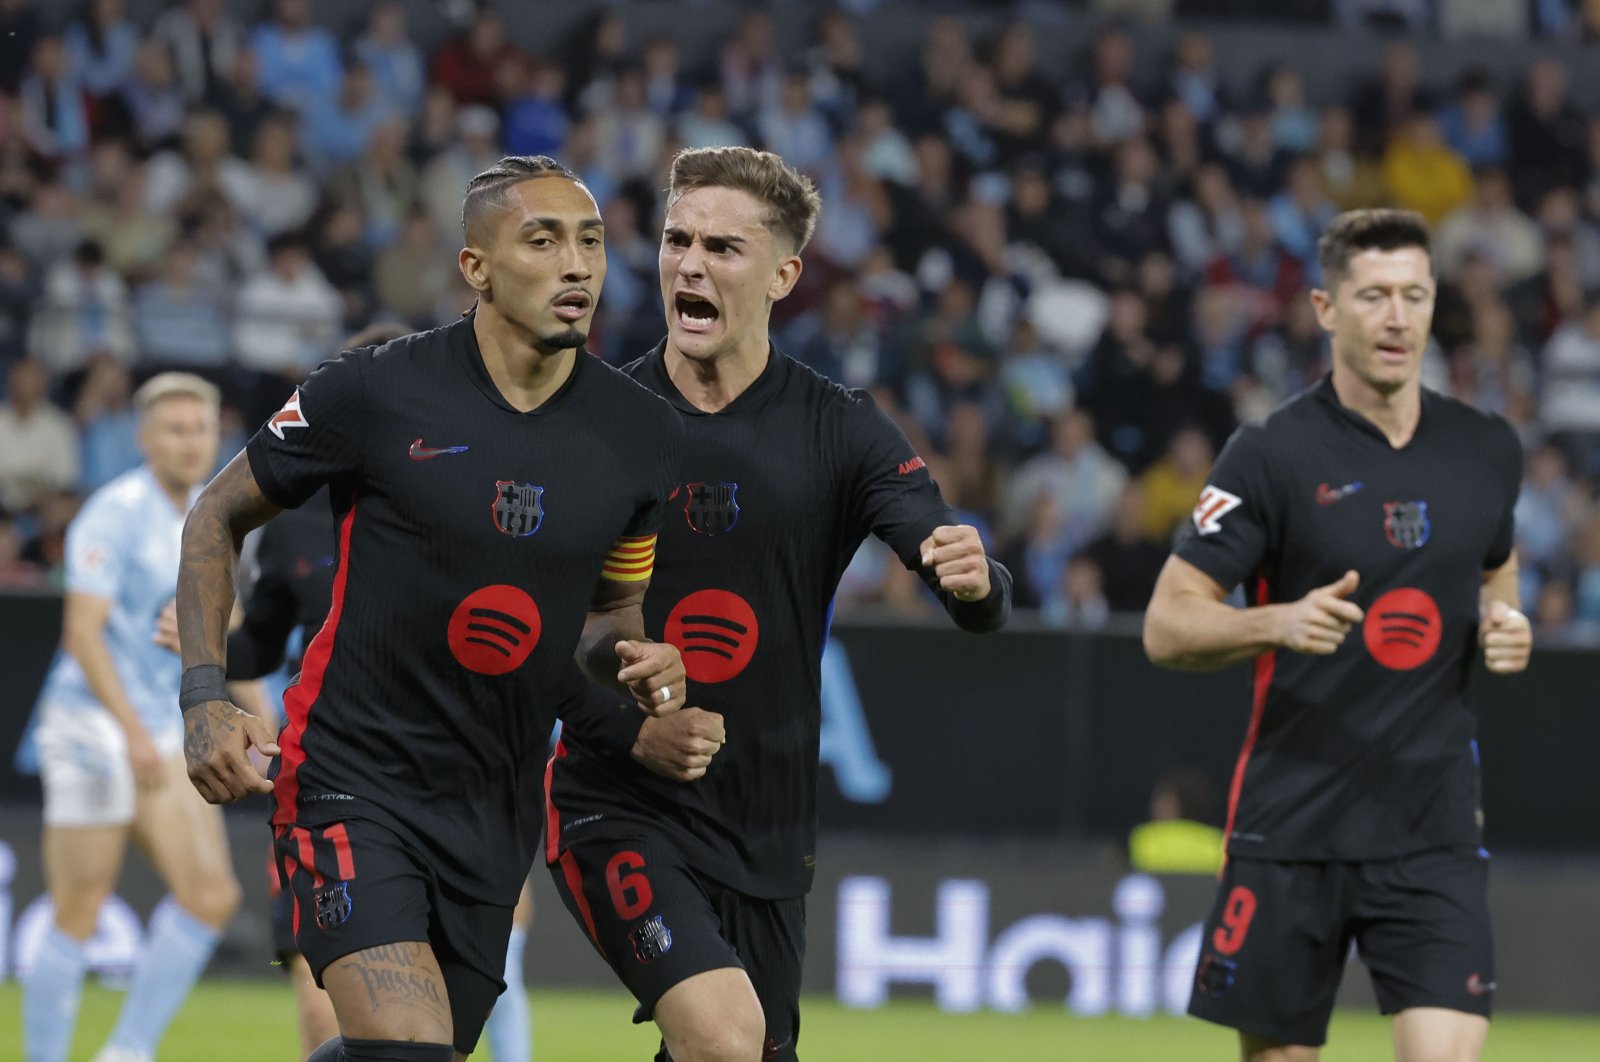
[
  {"x": 356, "y": 885},
  {"x": 657, "y": 923},
  {"x": 1275, "y": 945}
]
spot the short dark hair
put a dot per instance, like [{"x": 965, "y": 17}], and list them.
[
  {"x": 791, "y": 198},
  {"x": 1368, "y": 230},
  {"x": 486, "y": 193}
]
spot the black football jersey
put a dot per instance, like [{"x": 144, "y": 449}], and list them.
[
  {"x": 776, "y": 492},
  {"x": 293, "y": 585},
  {"x": 470, "y": 540},
  {"x": 1368, "y": 753}
]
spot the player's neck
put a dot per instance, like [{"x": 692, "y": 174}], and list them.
[
  {"x": 712, "y": 385},
  {"x": 1395, "y": 413},
  {"x": 524, "y": 375}
]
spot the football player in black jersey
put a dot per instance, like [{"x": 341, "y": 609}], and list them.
[
  {"x": 1370, "y": 520},
  {"x": 498, "y": 494},
  {"x": 687, "y": 860}
]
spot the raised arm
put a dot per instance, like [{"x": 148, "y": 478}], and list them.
[
  {"x": 217, "y": 734},
  {"x": 614, "y": 652}
]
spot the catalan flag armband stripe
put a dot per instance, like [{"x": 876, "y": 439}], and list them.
[{"x": 630, "y": 559}]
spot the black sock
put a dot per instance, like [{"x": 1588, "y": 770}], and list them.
[{"x": 344, "y": 1049}]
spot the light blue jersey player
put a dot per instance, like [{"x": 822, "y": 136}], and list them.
[{"x": 110, "y": 741}]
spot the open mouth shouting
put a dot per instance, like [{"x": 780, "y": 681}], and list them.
[
  {"x": 573, "y": 305},
  {"x": 695, "y": 313}
]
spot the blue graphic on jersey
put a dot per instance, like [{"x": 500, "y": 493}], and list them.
[{"x": 1406, "y": 524}]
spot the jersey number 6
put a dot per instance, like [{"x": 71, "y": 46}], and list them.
[{"x": 630, "y": 890}]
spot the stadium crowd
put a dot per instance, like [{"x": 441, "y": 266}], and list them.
[{"x": 1067, "y": 285}]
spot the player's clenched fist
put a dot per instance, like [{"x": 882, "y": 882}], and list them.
[
  {"x": 1318, "y": 622},
  {"x": 1506, "y": 637},
  {"x": 955, "y": 554},
  {"x": 653, "y": 673},
  {"x": 680, "y": 746}
]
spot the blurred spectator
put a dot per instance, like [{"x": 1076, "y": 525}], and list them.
[
  {"x": 708, "y": 123},
  {"x": 1037, "y": 384},
  {"x": 1208, "y": 224},
  {"x": 1128, "y": 561},
  {"x": 445, "y": 178},
  {"x": 271, "y": 192},
  {"x": 1494, "y": 372},
  {"x": 38, "y": 443},
  {"x": 382, "y": 185},
  {"x": 666, "y": 91},
  {"x": 109, "y": 426},
  {"x": 19, "y": 30},
  {"x": 1350, "y": 179},
  {"x": 174, "y": 179},
  {"x": 335, "y": 130},
  {"x": 595, "y": 58},
  {"x": 1490, "y": 226},
  {"x": 1570, "y": 401},
  {"x": 298, "y": 61},
  {"x": 180, "y": 318},
  {"x": 205, "y": 42},
  {"x": 394, "y": 61},
  {"x": 1181, "y": 836},
  {"x": 1062, "y": 230},
  {"x": 413, "y": 278},
  {"x": 1293, "y": 355},
  {"x": 288, "y": 315},
  {"x": 19, "y": 291},
  {"x": 85, "y": 310},
  {"x": 48, "y": 230},
  {"x": 1473, "y": 123},
  {"x": 1255, "y": 162},
  {"x": 1547, "y": 134},
  {"x": 1075, "y": 478},
  {"x": 54, "y": 118},
  {"x": 749, "y": 66},
  {"x": 242, "y": 103},
  {"x": 1548, "y": 509},
  {"x": 1383, "y": 105},
  {"x": 340, "y": 252},
  {"x": 16, "y": 573},
  {"x": 1300, "y": 212},
  {"x": 1422, "y": 172},
  {"x": 154, "y": 98},
  {"x": 793, "y": 127},
  {"x": 1294, "y": 124},
  {"x": 1078, "y": 601},
  {"x": 886, "y": 152},
  {"x": 536, "y": 120},
  {"x": 1132, "y": 213},
  {"x": 1172, "y": 485},
  {"x": 1117, "y": 114},
  {"x": 134, "y": 237},
  {"x": 840, "y": 341},
  {"x": 836, "y": 62},
  {"x": 1194, "y": 78},
  {"x": 47, "y": 549},
  {"x": 1560, "y": 213},
  {"x": 467, "y": 63},
  {"x": 101, "y": 47}
]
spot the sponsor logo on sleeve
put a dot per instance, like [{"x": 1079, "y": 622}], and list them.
[
  {"x": 1214, "y": 504},
  {"x": 290, "y": 416}
]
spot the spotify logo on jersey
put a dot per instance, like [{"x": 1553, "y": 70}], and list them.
[
  {"x": 716, "y": 631},
  {"x": 494, "y": 629},
  {"x": 1402, "y": 629}
]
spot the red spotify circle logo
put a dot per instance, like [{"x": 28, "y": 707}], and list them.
[
  {"x": 716, "y": 631},
  {"x": 494, "y": 629},
  {"x": 1402, "y": 629}
]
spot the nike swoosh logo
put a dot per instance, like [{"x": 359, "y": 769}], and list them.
[
  {"x": 419, "y": 452},
  {"x": 1327, "y": 495}
]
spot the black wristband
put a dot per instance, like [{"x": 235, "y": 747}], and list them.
[{"x": 203, "y": 684}]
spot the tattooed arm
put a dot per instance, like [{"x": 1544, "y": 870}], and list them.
[{"x": 216, "y": 734}]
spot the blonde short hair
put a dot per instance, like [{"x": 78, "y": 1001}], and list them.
[{"x": 163, "y": 386}]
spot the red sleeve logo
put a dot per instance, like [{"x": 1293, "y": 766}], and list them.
[
  {"x": 289, "y": 416},
  {"x": 1214, "y": 504},
  {"x": 908, "y": 467}
]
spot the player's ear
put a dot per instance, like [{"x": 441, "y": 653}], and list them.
[
  {"x": 1322, "y": 303},
  {"x": 785, "y": 278},
  {"x": 474, "y": 265}
]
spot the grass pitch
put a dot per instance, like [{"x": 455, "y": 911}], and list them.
[{"x": 253, "y": 1021}]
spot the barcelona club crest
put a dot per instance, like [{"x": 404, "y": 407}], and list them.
[
  {"x": 518, "y": 508},
  {"x": 712, "y": 508},
  {"x": 651, "y": 940},
  {"x": 333, "y": 906},
  {"x": 1406, "y": 524}
]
